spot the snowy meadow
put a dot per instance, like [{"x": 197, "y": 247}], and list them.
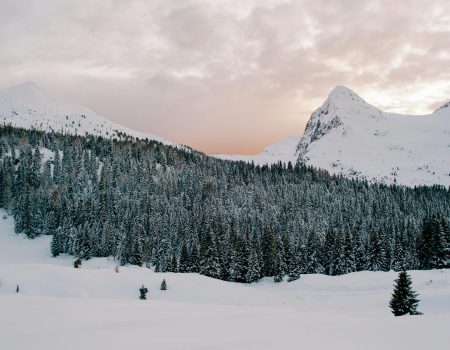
[{"x": 96, "y": 307}]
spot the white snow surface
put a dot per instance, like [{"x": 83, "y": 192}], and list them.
[
  {"x": 28, "y": 106},
  {"x": 283, "y": 151},
  {"x": 93, "y": 307},
  {"x": 348, "y": 136}
]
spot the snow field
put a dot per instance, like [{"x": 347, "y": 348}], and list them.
[{"x": 94, "y": 307}]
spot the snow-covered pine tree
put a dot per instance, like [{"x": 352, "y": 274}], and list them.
[
  {"x": 404, "y": 298},
  {"x": 143, "y": 292},
  {"x": 433, "y": 245},
  {"x": 269, "y": 252},
  {"x": 294, "y": 264},
  {"x": 376, "y": 256},
  {"x": 209, "y": 259},
  {"x": 163, "y": 285},
  {"x": 183, "y": 264},
  {"x": 399, "y": 256}
]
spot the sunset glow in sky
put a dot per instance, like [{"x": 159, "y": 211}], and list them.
[{"x": 227, "y": 76}]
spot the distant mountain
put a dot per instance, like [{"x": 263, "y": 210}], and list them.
[
  {"x": 345, "y": 135},
  {"x": 28, "y": 106},
  {"x": 284, "y": 151},
  {"x": 348, "y": 136}
]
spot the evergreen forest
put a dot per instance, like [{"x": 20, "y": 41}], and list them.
[{"x": 176, "y": 209}]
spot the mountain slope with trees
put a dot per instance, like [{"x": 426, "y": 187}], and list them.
[{"x": 179, "y": 210}]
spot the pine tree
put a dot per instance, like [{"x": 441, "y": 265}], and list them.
[
  {"x": 183, "y": 265},
  {"x": 376, "y": 256},
  {"x": 136, "y": 252},
  {"x": 404, "y": 299},
  {"x": 269, "y": 252},
  {"x": 55, "y": 244},
  {"x": 163, "y": 285},
  {"x": 209, "y": 258},
  {"x": 294, "y": 264},
  {"x": 433, "y": 245},
  {"x": 360, "y": 252},
  {"x": 240, "y": 259},
  {"x": 83, "y": 244},
  {"x": 56, "y": 168},
  {"x": 254, "y": 269},
  {"x": 399, "y": 257},
  {"x": 312, "y": 259},
  {"x": 349, "y": 255},
  {"x": 194, "y": 263},
  {"x": 143, "y": 293},
  {"x": 280, "y": 265},
  {"x": 326, "y": 256}
]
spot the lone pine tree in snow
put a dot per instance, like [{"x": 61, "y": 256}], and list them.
[
  {"x": 163, "y": 285},
  {"x": 143, "y": 292},
  {"x": 404, "y": 299}
]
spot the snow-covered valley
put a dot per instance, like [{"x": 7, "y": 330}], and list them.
[{"x": 97, "y": 308}]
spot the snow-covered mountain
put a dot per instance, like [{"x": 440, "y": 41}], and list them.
[
  {"x": 28, "y": 106},
  {"x": 345, "y": 135},
  {"x": 348, "y": 136},
  {"x": 284, "y": 151}
]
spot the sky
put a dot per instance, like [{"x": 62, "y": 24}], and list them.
[{"x": 227, "y": 76}]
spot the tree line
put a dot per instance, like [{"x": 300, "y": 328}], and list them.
[{"x": 180, "y": 210}]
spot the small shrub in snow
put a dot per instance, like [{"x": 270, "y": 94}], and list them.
[
  {"x": 143, "y": 292},
  {"x": 77, "y": 263},
  {"x": 163, "y": 285}
]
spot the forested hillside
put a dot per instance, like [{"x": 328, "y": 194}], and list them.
[{"x": 179, "y": 210}]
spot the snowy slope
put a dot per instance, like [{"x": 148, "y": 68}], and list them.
[
  {"x": 284, "y": 151},
  {"x": 94, "y": 307},
  {"x": 28, "y": 106},
  {"x": 348, "y": 136}
]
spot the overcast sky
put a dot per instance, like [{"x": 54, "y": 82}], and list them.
[{"x": 227, "y": 76}]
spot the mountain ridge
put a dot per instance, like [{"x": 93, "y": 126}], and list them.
[
  {"x": 348, "y": 136},
  {"x": 28, "y": 106}
]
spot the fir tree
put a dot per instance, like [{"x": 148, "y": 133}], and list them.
[
  {"x": 269, "y": 252},
  {"x": 294, "y": 265},
  {"x": 163, "y": 285},
  {"x": 143, "y": 292},
  {"x": 404, "y": 299},
  {"x": 433, "y": 243},
  {"x": 209, "y": 261},
  {"x": 376, "y": 255},
  {"x": 193, "y": 261},
  {"x": 399, "y": 256},
  {"x": 183, "y": 264}
]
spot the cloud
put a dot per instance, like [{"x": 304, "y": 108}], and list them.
[{"x": 227, "y": 76}]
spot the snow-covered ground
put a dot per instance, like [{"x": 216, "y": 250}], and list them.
[{"x": 59, "y": 307}]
